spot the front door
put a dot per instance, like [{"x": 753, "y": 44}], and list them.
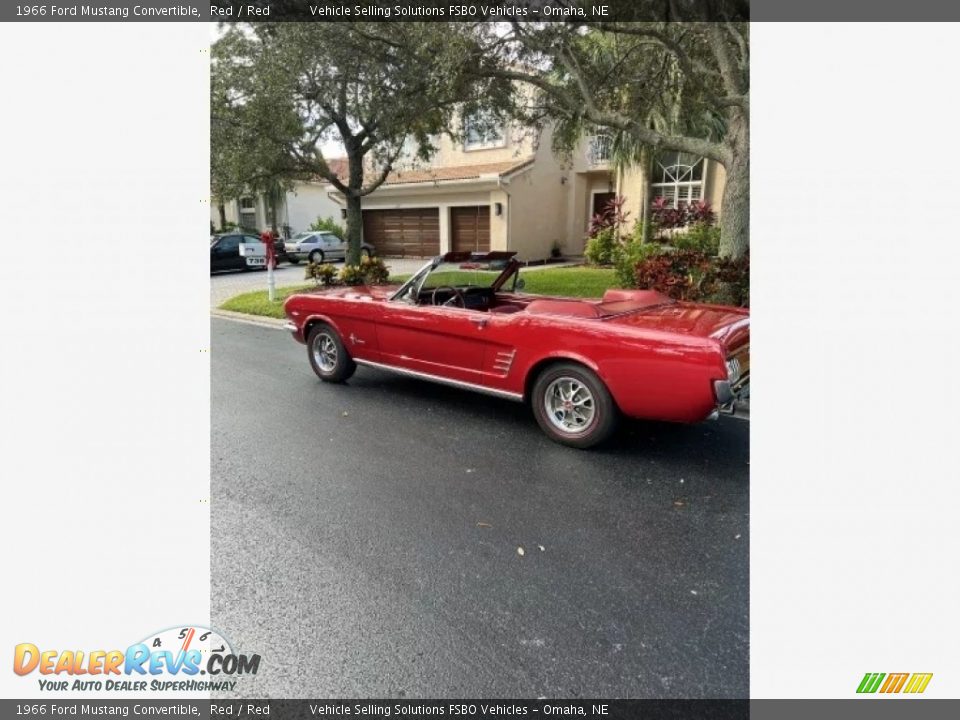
[
  {"x": 449, "y": 342},
  {"x": 600, "y": 201}
]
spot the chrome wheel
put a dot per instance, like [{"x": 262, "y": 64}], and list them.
[
  {"x": 325, "y": 352},
  {"x": 569, "y": 405}
]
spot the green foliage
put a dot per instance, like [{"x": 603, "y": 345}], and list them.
[
  {"x": 628, "y": 254},
  {"x": 374, "y": 271},
  {"x": 702, "y": 237},
  {"x": 351, "y": 275},
  {"x": 601, "y": 249},
  {"x": 321, "y": 273},
  {"x": 281, "y": 91},
  {"x": 329, "y": 225}
]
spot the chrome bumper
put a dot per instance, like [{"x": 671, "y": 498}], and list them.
[{"x": 728, "y": 395}]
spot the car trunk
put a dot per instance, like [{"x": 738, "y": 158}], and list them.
[{"x": 731, "y": 326}]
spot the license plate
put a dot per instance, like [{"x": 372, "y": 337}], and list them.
[{"x": 256, "y": 261}]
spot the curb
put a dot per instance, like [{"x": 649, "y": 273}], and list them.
[{"x": 260, "y": 320}]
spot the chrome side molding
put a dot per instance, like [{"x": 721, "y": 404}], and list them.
[{"x": 517, "y": 397}]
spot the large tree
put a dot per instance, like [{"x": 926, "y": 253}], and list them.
[
  {"x": 381, "y": 91},
  {"x": 657, "y": 85}
]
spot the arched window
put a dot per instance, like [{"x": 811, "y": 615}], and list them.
[{"x": 678, "y": 177}]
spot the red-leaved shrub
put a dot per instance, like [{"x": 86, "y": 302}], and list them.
[{"x": 697, "y": 277}]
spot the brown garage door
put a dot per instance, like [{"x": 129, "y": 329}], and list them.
[
  {"x": 470, "y": 228},
  {"x": 403, "y": 233}
]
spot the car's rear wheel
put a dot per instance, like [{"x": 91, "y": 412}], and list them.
[
  {"x": 364, "y": 253},
  {"x": 573, "y": 406},
  {"x": 328, "y": 356},
  {"x": 316, "y": 256}
]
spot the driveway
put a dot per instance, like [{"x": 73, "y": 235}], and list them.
[{"x": 366, "y": 541}]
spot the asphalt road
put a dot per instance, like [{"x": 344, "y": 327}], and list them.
[{"x": 365, "y": 541}]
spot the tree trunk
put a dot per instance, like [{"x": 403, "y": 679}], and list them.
[
  {"x": 645, "y": 214},
  {"x": 354, "y": 229},
  {"x": 222, "y": 210},
  {"x": 735, "y": 213},
  {"x": 354, "y": 213}
]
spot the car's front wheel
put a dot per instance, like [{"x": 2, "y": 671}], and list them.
[
  {"x": 316, "y": 256},
  {"x": 573, "y": 406},
  {"x": 328, "y": 356},
  {"x": 293, "y": 259}
]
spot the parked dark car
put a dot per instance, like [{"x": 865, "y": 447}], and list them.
[{"x": 225, "y": 251}]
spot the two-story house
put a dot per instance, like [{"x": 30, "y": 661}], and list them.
[{"x": 503, "y": 188}]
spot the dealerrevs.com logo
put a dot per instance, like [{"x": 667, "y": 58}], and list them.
[
  {"x": 180, "y": 659},
  {"x": 892, "y": 683}
]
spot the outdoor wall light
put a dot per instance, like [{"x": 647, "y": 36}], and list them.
[
  {"x": 498, "y": 208},
  {"x": 343, "y": 213}
]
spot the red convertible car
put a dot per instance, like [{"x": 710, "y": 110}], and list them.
[{"x": 462, "y": 320}]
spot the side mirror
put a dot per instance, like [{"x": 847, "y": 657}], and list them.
[{"x": 520, "y": 284}]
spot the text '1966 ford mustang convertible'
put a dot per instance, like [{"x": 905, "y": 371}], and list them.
[{"x": 580, "y": 364}]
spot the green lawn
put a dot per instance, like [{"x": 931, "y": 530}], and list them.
[
  {"x": 567, "y": 281},
  {"x": 586, "y": 282},
  {"x": 256, "y": 302}
]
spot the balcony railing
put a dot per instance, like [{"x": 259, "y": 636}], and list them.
[{"x": 598, "y": 149}]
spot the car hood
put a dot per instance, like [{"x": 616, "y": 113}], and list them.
[{"x": 729, "y": 325}]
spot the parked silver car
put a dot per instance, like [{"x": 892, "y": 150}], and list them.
[{"x": 320, "y": 246}]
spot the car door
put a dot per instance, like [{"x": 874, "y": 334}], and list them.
[
  {"x": 448, "y": 342},
  {"x": 225, "y": 253},
  {"x": 338, "y": 247}
]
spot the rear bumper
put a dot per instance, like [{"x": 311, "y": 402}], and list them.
[{"x": 728, "y": 395}]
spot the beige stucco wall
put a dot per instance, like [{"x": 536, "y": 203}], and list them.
[
  {"x": 518, "y": 143},
  {"x": 539, "y": 205}
]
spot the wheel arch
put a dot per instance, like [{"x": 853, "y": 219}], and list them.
[
  {"x": 538, "y": 366},
  {"x": 313, "y": 320}
]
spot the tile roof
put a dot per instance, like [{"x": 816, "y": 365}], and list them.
[{"x": 454, "y": 172}]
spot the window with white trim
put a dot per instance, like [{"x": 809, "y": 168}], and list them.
[
  {"x": 483, "y": 130},
  {"x": 678, "y": 177},
  {"x": 248, "y": 213}
]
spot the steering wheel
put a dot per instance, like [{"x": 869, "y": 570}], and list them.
[{"x": 455, "y": 300}]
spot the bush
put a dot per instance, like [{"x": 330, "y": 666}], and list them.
[
  {"x": 351, "y": 275},
  {"x": 701, "y": 236},
  {"x": 602, "y": 247},
  {"x": 696, "y": 276},
  {"x": 321, "y": 273},
  {"x": 329, "y": 225},
  {"x": 374, "y": 271},
  {"x": 664, "y": 215},
  {"x": 627, "y": 255}
]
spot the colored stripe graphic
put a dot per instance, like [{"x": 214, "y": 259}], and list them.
[
  {"x": 918, "y": 682},
  {"x": 870, "y": 682},
  {"x": 894, "y": 682}
]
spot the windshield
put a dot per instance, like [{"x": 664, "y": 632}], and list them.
[
  {"x": 462, "y": 275},
  {"x": 302, "y": 235},
  {"x": 497, "y": 273}
]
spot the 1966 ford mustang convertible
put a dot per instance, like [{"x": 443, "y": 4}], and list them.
[{"x": 580, "y": 364}]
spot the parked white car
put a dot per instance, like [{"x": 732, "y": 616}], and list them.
[{"x": 320, "y": 246}]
